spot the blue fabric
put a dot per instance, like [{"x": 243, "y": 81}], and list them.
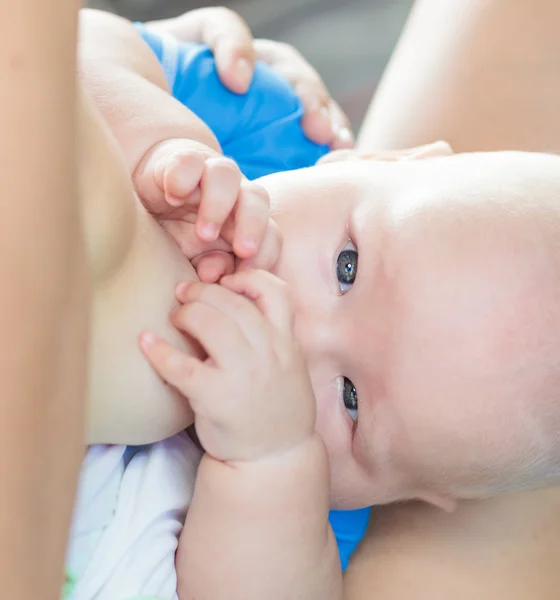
[
  {"x": 261, "y": 131},
  {"x": 349, "y": 528}
]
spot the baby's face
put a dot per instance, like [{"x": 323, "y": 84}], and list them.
[{"x": 425, "y": 295}]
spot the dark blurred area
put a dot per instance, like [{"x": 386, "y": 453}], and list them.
[{"x": 347, "y": 41}]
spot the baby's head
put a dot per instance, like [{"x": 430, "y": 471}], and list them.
[{"x": 427, "y": 298}]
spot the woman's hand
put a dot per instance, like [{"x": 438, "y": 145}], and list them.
[{"x": 235, "y": 51}]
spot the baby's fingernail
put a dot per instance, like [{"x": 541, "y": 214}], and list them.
[
  {"x": 248, "y": 243},
  {"x": 181, "y": 288},
  {"x": 209, "y": 231},
  {"x": 147, "y": 339},
  {"x": 175, "y": 201},
  {"x": 243, "y": 71},
  {"x": 324, "y": 112}
]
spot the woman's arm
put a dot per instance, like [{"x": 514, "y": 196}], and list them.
[
  {"x": 481, "y": 74},
  {"x": 43, "y": 305}
]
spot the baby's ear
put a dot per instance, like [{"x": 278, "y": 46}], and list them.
[{"x": 433, "y": 150}]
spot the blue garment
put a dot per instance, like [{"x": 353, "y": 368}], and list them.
[{"x": 261, "y": 131}]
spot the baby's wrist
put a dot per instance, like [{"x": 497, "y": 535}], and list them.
[
  {"x": 302, "y": 470},
  {"x": 308, "y": 448}
]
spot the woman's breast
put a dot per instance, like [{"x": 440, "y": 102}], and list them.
[
  {"x": 135, "y": 267},
  {"x": 129, "y": 404}
]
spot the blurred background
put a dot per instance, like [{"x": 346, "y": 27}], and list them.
[{"x": 347, "y": 41}]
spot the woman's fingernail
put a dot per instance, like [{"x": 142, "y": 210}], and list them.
[
  {"x": 324, "y": 112},
  {"x": 439, "y": 147},
  {"x": 344, "y": 135},
  {"x": 243, "y": 71},
  {"x": 311, "y": 105},
  {"x": 439, "y": 144}
]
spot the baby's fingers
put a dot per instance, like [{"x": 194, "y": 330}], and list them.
[
  {"x": 217, "y": 333},
  {"x": 234, "y": 307},
  {"x": 186, "y": 373},
  {"x": 180, "y": 176},
  {"x": 268, "y": 292},
  {"x": 251, "y": 220},
  {"x": 168, "y": 173},
  {"x": 212, "y": 266},
  {"x": 268, "y": 252},
  {"x": 220, "y": 185}
]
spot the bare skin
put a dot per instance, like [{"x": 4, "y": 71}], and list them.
[
  {"x": 136, "y": 266},
  {"x": 334, "y": 349},
  {"x": 506, "y": 548},
  {"x": 488, "y": 80},
  {"x": 480, "y": 511},
  {"x": 481, "y": 74},
  {"x": 45, "y": 296}
]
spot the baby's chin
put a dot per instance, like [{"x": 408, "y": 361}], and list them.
[{"x": 353, "y": 498}]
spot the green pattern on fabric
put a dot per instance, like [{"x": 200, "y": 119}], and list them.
[
  {"x": 146, "y": 598},
  {"x": 69, "y": 585}
]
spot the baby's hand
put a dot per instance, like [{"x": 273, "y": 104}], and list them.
[
  {"x": 252, "y": 396},
  {"x": 208, "y": 207},
  {"x": 235, "y": 51}
]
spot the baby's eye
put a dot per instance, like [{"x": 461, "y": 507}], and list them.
[
  {"x": 347, "y": 267},
  {"x": 350, "y": 399}
]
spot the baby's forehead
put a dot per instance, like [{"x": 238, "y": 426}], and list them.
[
  {"x": 509, "y": 176},
  {"x": 468, "y": 186}
]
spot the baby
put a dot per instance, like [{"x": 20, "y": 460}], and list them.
[
  {"x": 349, "y": 192},
  {"x": 132, "y": 502},
  {"x": 452, "y": 251}
]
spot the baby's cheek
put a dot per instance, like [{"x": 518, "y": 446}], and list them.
[{"x": 503, "y": 451}]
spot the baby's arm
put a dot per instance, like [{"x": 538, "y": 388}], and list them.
[
  {"x": 128, "y": 85},
  {"x": 170, "y": 152},
  {"x": 258, "y": 523}
]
